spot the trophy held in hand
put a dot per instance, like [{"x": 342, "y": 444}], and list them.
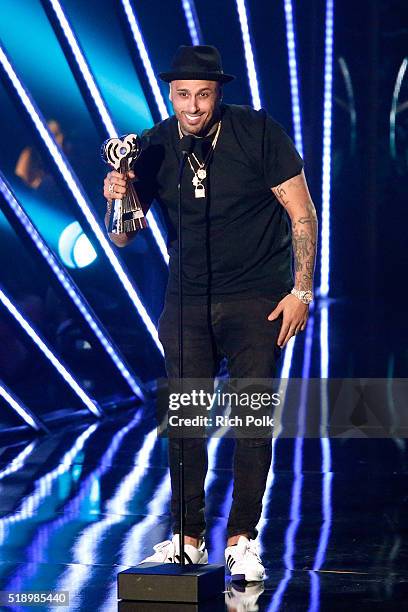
[{"x": 121, "y": 154}]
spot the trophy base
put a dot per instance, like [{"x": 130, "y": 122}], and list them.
[
  {"x": 171, "y": 583},
  {"x": 133, "y": 225}
]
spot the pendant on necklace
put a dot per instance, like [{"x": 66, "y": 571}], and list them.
[
  {"x": 199, "y": 191},
  {"x": 201, "y": 173},
  {"x": 195, "y": 181}
]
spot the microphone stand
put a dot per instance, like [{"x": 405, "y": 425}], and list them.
[{"x": 181, "y": 354}]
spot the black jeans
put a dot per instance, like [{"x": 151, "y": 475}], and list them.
[{"x": 239, "y": 331}]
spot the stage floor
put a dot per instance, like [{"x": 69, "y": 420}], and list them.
[{"x": 78, "y": 506}]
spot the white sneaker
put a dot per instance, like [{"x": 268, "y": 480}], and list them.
[
  {"x": 169, "y": 552},
  {"x": 243, "y": 598},
  {"x": 244, "y": 562}
]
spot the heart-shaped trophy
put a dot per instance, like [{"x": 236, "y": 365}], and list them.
[{"x": 121, "y": 154}]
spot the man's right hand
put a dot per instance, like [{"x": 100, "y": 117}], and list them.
[{"x": 117, "y": 183}]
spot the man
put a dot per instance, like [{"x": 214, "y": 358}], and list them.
[{"x": 241, "y": 302}]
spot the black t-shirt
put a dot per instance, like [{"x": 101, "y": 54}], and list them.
[{"x": 236, "y": 240}]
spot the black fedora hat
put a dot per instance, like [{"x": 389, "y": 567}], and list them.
[{"x": 199, "y": 62}]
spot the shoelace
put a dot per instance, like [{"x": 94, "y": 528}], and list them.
[{"x": 171, "y": 552}]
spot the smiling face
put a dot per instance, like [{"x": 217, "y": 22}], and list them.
[{"x": 196, "y": 105}]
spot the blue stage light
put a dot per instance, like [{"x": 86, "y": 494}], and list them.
[
  {"x": 67, "y": 283},
  {"x": 293, "y": 73},
  {"x": 29, "y": 503},
  {"x": 288, "y": 351},
  {"x": 192, "y": 21},
  {"x": 351, "y": 102},
  {"x": 104, "y": 114},
  {"x": 159, "y": 504},
  {"x": 297, "y": 124},
  {"x": 74, "y": 503},
  {"x": 287, "y": 359},
  {"x": 325, "y": 449},
  {"x": 249, "y": 56},
  {"x": 84, "y": 68},
  {"x": 327, "y": 510},
  {"x": 295, "y": 512},
  {"x": 76, "y": 190},
  {"x": 83, "y": 251},
  {"x": 138, "y": 38},
  {"x": 74, "y": 247},
  {"x": 18, "y": 406},
  {"x": 114, "y": 512},
  {"x": 394, "y": 106},
  {"x": 91, "y": 404},
  {"x": 324, "y": 341},
  {"x": 327, "y": 144},
  {"x": 19, "y": 461}
]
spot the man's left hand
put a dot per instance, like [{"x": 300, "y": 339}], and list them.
[{"x": 295, "y": 315}]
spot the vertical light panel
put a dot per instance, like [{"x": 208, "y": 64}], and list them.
[
  {"x": 327, "y": 474},
  {"x": 293, "y": 74},
  {"x": 327, "y": 145},
  {"x": 90, "y": 83},
  {"x": 297, "y": 129},
  {"x": 90, "y": 404},
  {"x": 192, "y": 21},
  {"x": 295, "y": 512},
  {"x": 69, "y": 286},
  {"x": 77, "y": 192},
  {"x": 324, "y": 343},
  {"x": 326, "y": 470},
  {"x": 141, "y": 47},
  {"x": 287, "y": 358},
  {"x": 249, "y": 55},
  {"x": 394, "y": 106},
  {"x": 351, "y": 102},
  {"x": 18, "y": 406}
]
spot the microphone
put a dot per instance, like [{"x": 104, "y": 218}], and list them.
[{"x": 186, "y": 144}]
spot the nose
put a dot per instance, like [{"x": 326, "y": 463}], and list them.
[{"x": 192, "y": 105}]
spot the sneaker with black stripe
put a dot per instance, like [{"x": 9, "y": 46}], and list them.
[
  {"x": 169, "y": 552},
  {"x": 244, "y": 562}
]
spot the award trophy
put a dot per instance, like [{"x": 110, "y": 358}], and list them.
[{"x": 121, "y": 154}]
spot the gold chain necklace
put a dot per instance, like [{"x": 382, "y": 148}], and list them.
[{"x": 200, "y": 173}]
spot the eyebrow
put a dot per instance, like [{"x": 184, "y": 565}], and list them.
[{"x": 199, "y": 91}]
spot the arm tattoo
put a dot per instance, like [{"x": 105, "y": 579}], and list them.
[
  {"x": 304, "y": 231},
  {"x": 304, "y": 241},
  {"x": 281, "y": 195}
]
